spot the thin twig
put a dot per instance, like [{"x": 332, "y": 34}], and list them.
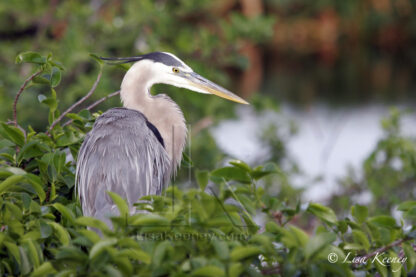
[
  {"x": 96, "y": 103},
  {"x": 22, "y": 88},
  {"x": 383, "y": 249},
  {"x": 93, "y": 105},
  {"x": 79, "y": 102}
]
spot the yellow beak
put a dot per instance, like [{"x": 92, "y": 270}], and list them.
[{"x": 206, "y": 86}]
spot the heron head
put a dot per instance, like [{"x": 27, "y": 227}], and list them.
[{"x": 168, "y": 69}]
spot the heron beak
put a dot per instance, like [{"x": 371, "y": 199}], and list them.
[{"x": 206, "y": 86}]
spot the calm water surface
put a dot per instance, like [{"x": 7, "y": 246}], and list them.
[{"x": 328, "y": 141}]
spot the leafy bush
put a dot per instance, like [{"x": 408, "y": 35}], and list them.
[{"x": 230, "y": 224}]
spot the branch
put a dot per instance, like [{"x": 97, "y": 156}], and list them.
[
  {"x": 93, "y": 105},
  {"x": 383, "y": 249},
  {"x": 79, "y": 102},
  {"x": 96, "y": 103},
  {"x": 22, "y": 88},
  {"x": 276, "y": 269}
]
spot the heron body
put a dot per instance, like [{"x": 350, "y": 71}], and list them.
[{"x": 134, "y": 151}]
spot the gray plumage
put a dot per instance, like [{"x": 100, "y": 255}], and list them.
[
  {"x": 133, "y": 151},
  {"x": 121, "y": 154}
]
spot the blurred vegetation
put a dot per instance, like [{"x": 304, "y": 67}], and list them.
[
  {"x": 335, "y": 50},
  {"x": 72, "y": 30},
  {"x": 338, "y": 51},
  {"x": 235, "y": 220}
]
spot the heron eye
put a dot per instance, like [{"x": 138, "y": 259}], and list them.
[{"x": 175, "y": 70}]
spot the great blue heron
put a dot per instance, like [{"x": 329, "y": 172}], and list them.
[{"x": 133, "y": 151}]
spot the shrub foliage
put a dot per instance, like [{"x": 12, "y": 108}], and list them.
[{"x": 228, "y": 224}]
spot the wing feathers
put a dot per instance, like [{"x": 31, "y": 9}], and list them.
[{"x": 120, "y": 154}]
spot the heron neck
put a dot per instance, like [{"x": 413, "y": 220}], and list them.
[{"x": 160, "y": 110}]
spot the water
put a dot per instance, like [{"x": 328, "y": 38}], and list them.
[{"x": 328, "y": 141}]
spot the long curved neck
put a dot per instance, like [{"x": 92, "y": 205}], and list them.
[{"x": 160, "y": 110}]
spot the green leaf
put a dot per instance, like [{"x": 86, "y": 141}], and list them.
[
  {"x": 10, "y": 181},
  {"x": 161, "y": 251},
  {"x": 208, "y": 271},
  {"x": 32, "y": 149},
  {"x": 45, "y": 229},
  {"x": 112, "y": 271},
  {"x": 43, "y": 270},
  {"x": 272, "y": 227},
  {"x": 101, "y": 246},
  {"x": 92, "y": 222},
  {"x": 410, "y": 254},
  {"x": 65, "y": 212},
  {"x": 262, "y": 171},
  {"x": 30, "y": 57},
  {"x": 26, "y": 199},
  {"x": 186, "y": 161},
  {"x": 136, "y": 254},
  {"x": 97, "y": 59},
  {"x": 395, "y": 266},
  {"x": 13, "y": 251},
  {"x": 25, "y": 264},
  {"x": 342, "y": 226},
  {"x": 57, "y": 64},
  {"x": 406, "y": 206},
  {"x": 381, "y": 268},
  {"x": 294, "y": 237},
  {"x": 235, "y": 269},
  {"x": 244, "y": 252},
  {"x": 12, "y": 133},
  {"x": 33, "y": 253},
  {"x": 122, "y": 205},
  {"x": 14, "y": 210},
  {"x": 61, "y": 232},
  {"x": 90, "y": 235},
  {"x": 246, "y": 202},
  {"x": 150, "y": 220},
  {"x": 36, "y": 184},
  {"x": 41, "y": 80},
  {"x": 232, "y": 173},
  {"x": 15, "y": 170},
  {"x": 55, "y": 76},
  {"x": 240, "y": 164},
  {"x": 383, "y": 221},
  {"x": 324, "y": 213},
  {"x": 51, "y": 101},
  {"x": 75, "y": 116},
  {"x": 59, "y": 158},
  {"x": 221, "y": 248},
  {"x": 359, "y": 213},
  {"x": 361, "y": 239},
  {"x": 68, "y": 138},
  {"x": 317, "y": 243},
  {"x": 124, "y": 265},
  {"x": 202, "y": 178},
  {"x": 71, "y": 253}
]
